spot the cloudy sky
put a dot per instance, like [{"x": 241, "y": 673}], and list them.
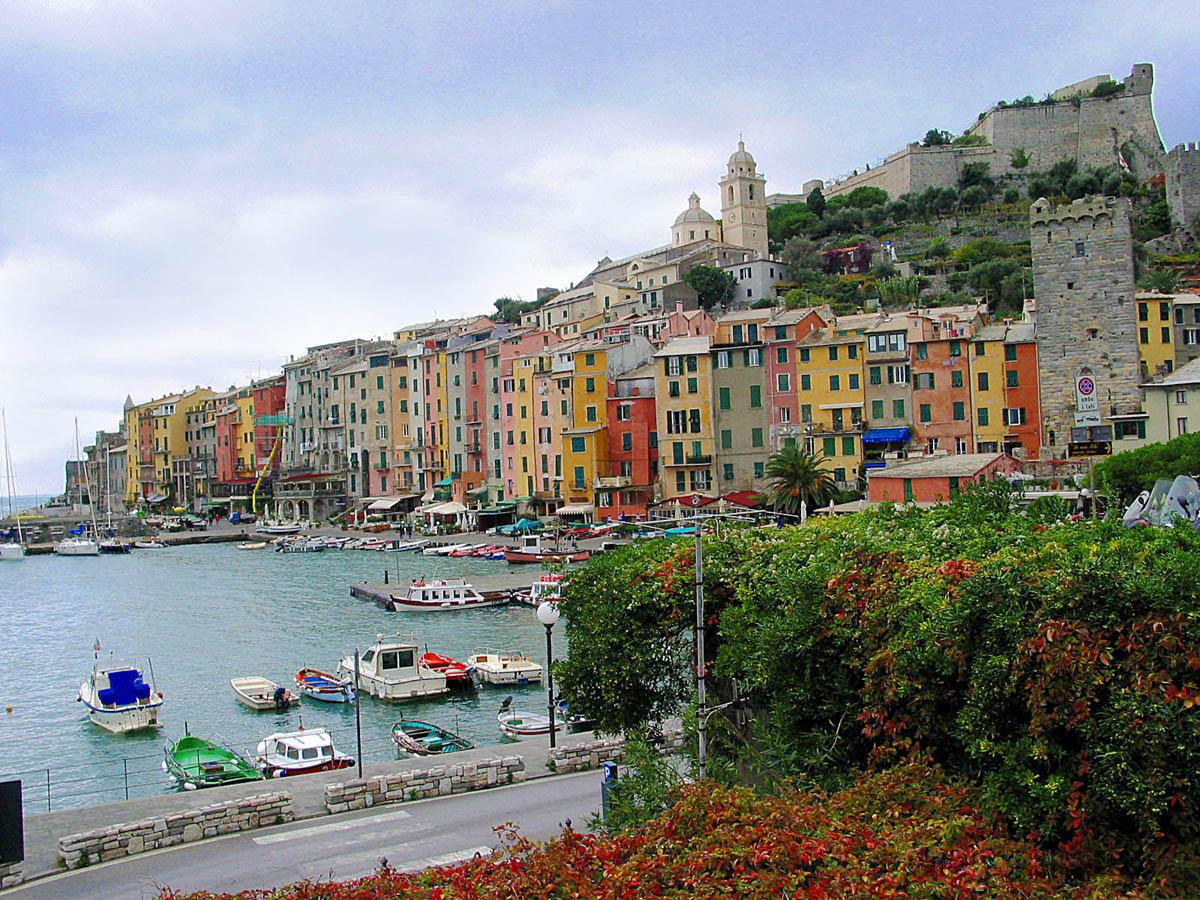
[{"x": 191, "y": 191}]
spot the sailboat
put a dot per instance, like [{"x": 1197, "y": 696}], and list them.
[
  {"x": 9, "y": 549},
  {"x": 79, "y": 544},
  {"x": 112, "y": 543}
]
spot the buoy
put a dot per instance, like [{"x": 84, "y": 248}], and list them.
[{"x": 8, "y": 709}]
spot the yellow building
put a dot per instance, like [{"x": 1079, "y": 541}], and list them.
[
  {"x": 525, "y": 369},
  {"x": 1155, "y": 343},
  {"x": 683, "y": 392},
  {"x": 986, "y": 366},
  {"x": 831, "y": 395}
]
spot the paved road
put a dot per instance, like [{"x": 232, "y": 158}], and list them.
[{"x": 409, "y": 835}]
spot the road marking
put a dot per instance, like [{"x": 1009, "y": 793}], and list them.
[
  {"x": 330, "y": 826},
  {"x": 445, "y": 859}
]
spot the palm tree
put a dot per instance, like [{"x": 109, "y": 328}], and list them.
[{"x": 797, "y": 476}]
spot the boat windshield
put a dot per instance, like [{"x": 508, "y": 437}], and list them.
[{"x": 310, "y": 752}]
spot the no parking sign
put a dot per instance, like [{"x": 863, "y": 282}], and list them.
[{"x": 1087, "y": 399}]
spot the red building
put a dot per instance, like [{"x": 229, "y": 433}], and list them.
[
  {"x": 941, "y": 384},
  {"x": 268, "y": 430},
  {"x": 1022, "y": 393},
  {"x": 626, "y": 487},
  {"x": 780, "y": 334},
  {"x": 936, "y": 479}
]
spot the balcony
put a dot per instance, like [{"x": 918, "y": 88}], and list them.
[
  {"x": 698, "y": 459},
  {"x": 613, "y": 482},
  {"x": 474, "y": 449}
]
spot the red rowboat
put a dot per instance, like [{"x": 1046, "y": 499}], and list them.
[{"x": 457, "y": 674}]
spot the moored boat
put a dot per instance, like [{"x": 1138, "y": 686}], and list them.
[
  {"x": 516, "y": 723},
  {"x": 119, "y": 699},
  {"x": 322, "y": 686},
  {"x": 440, "y": 594},
  {"x": 77, "y": 546},
  {"x": 545, "y": 587},
  {"x": 252, "y": 545},
  {"x": 194, "y": 762},
  {"x": 262, "y": 693},
  {"x": 457, "y": 674},
  {"x": 391, "y": 669},
  {"x": 284, "y": 528},
  {"x": 299, "y": 752},
  {"x": 531, "y": 551},
  {"x": 114, "y": 545},
  {"x": 149, "y": 545},
  {"x": 425, "y": 739},
  {"x": 503, "y": 667}
]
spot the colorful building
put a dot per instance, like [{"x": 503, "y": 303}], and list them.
[{"x": 684, "y": 407}]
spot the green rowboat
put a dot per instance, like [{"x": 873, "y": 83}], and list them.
[
  {"x": 196, "y": 763},
  {"x": 424, "y": 739}
]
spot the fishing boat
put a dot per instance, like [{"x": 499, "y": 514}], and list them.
[
  {"x": 515, "y": 723},
  {"x": 119, "y": 698},
  {"x": 194, "y": 762},
  {"x": 10, "y": 549},
  {"x": 252, "y": 545},
  {"x": 458, "y": 675},
  {"x": 545, "y": 587},
  {"x": 425, "y": 739},
  {"x": 283, "y": 528},
  {"x": 502, "y": 667},
  {"x": 299, "y": 752},
  {"x": 391, "y": 669},
  {"x": 531, "y": 551},
  {"x": 262, "y": 693},
  {"x": 322, "y": 686},
  {"x": 113, "y": 545},
  {"x": 149, "y": 545},
  {"x": 441, "y": 594}
]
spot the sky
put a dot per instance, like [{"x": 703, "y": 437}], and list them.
[{"x": 190, "y": 192}]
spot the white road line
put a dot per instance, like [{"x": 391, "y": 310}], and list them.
[
  {"x": 330, "y": 826},
  {"x": 445, "y": 859}
]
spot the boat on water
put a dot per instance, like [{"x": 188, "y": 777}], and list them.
[
  {"x": 77, "y": 545},
  {"x": 503, "y": 667},
  {"x": 516, "y": 723},
  {"x": 282, "y": 528},
  {"x": 300, "y": 752},
  {"x": 458, "y": 675},
  {"x": 546, "y": 587},
  {"x": 302, "y": 546},
  {"x": 405, "y": 546},
  {"x": 149, "y": 545},
  {"x": 262, "y": 693},
  {"x": 252, "y": 545},
  {"x": 426, "y": 739},
  {"x": 391, "y": 669},
  {"x": 12, "y": 550},
  {"x": 114, "y": 546},
  {"x": 194, "y": 762},
  {"x": 441, "y": 594},
  {"x": 119, "y": 698},
  {"x": 9, "y": 548},
  {"x": 531, "y": 551},
  {"x": 322, "y": 686}
]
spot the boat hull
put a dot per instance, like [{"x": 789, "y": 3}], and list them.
[
  {"x": 405, "y": 689},
  {"x": 322, "y": 686},
  {"x": 127, "y": 718},
  {"x": 12, "y": 551},
  {"x": 259, "y": 694},
  {"x": 341, "y": 762},
  {"x": 400, "y": 603},
  {"x": 527, "y": 557},
  {"x": 196, "y": 763},
  {"x": 77, "y": 548},
  {"x": 424, "y": 739},
  {"x": 114, "y": 547},
  {"x": 519, "y": 724}
]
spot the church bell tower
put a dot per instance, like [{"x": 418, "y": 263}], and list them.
[{"x": 744, "y": 203}]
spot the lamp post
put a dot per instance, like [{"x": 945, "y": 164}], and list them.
[{"x": 547, "y": 614}]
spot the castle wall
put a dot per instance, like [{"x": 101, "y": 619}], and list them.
[
  {"x": 1086, "y": 312},
  {"x": 1183, "y": 185}
]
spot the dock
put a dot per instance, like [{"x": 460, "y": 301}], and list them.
[{"x": 171, "y": 540}]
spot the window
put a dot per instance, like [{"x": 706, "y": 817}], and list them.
[
  {"x": 579, "y": 476},
  {"x": 847, "y": 449},
  {"x": 627, "y": 441},
  {"x": 759, "y": 470},
  {"x": 694, "y": 420},
  {"x": 785, "y": 415},
  {"x": 922, "y": 351},
  {"x": 1181, "y": 425},
  {"x": 803, "y": 354},
  {"x": 982, "y": 380},
  {"x": 956, "y": 348},
  {"x": 806, "y": 382},
  {"x": 853, "y": 351},
  {"x": 781, "y": 354},
  {"x": 379, "y": 407},
  {"x": 782, "y": 382},
  {"x": 875, "y": 375},
  {"x": 854, "y": 381},
  {"x": 589, "y": 385},
  {"x": 692, "y": 386},
  {"x": 835, "y": 383},
  {"x": 1014, "y": 415},
  {"x": 1181, "y": 397},
  {"x": 672, "y": 388},
  {"x": 897, "y": 374},
  {"x": 923, "y": 381},
  {"x": 723, "y": 359},
  {"x": 956, "y": 379},
  {"x": 830, "y": 447},
  {"x": 752, "y": 357},
  {"x": 876, "y": 409},
  {"x": 981, "y": 416},
  {"x": 806, "y": 412},
  {"x": 923, "y": 412},
  {"x": 1010, "y": 352},
  {"x": 727, "y": 471},
  {"x": 1011, "y": 379},
  {"x": 577, "y": 444},
  {"x": 726, "y": 439},
  {"x": 1166, "y": 334},
  {"x": 691, "y": 364},
  {"x": 756, "y": 437},
  {"x": 1131, "y": 430},
  {"x": 674, "y": 366},
  {"x": 1143, "y": 312},
  {"x": 755, "y": 396},
  {"x": 833, "y": 354},
  {"x": 780, "y": 332},
  {"x": 960, "y": 411},
  {"x": 1143, "y": 335},
  {"x": 897, "y": 409},
  {"x": 723, "y": 398},
  {"x": 1079, "y": 248}
]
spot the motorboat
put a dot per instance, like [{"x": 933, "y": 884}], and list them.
[
  {"x": 391, "y": 669},
  {"x": 149, "y": 545},
  {"x": 282, "y": 528},
  {"x": 425, "y": 739},
  {"x": 194, "y": 762},
  {"x": 114, "y": 546},
  {"x": 441, "y": 594},
  {"x": 405, "y": 546},
  {"x": 546, "y": 587},
  {"x": 262, "y": 693},
  {"x": 516, "y": 723},
  {"x": 77, "y": 545},
  {"x": 301, "y": 752},
  {"x": 11, "y": 550},
  {"x": 458, "y": 675},
  {"x": 252, "y": 545},
  {"x": 322, "y": 686},
  {"x": 502, "y": 667},
  {"x": 119, "y": 698},
  {"x": 301, "y": 545},
  {"x": 531, "y": 551}
]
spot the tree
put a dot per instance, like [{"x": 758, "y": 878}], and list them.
[
  {"x": 816, "y": 202},
  {"x": 797, "y": 477},
  {"x": 510, "y": 310},
  {"x": 1161, "y": 281},
  {"x": 1018, "y": 157},
  {"x": 935, "y": 137},
  {"x": 791, "y": 219},
  {"x": 714, "y": 285},
  {"x": 801, "y": 255},
  {"x": 938, "y": 248},
  {"x": 899, "y": 293}
]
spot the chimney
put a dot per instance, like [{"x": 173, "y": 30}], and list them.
[{"x": 678, "y": 306}]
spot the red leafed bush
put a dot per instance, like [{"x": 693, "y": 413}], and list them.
[{"x": 904, "y": 832}]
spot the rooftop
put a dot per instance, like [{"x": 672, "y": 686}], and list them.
[
  {"x": 949, "y": 466},
  {"x": 686, "y": 346},
  {"x": 1185, "y": 375}
]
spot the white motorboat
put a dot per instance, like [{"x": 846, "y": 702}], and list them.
[
  {"x": 299, "y": 753},
  {"x": 284, "y": 528},
  {"x": 516, "y": 723},
  {"x": 10, "y": 549},
  {"x": 149, "y": 545},
  {"x": 546, "y": 587},
  {"x": 436, "y": 551},
  {"x": 119, "y": 698},
  {"x": 262, "y": 693},
  {"x": 406, "y": 545},
  {"x": 391, "y": 669},
  {"x": 502, "y": 667},
  {"x": 252, "y": 545},
  {"x": 441, "y": 594},
  {"x": 77, "y": 546}
]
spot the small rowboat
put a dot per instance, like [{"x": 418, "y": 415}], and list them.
[
  {"x": 515, "y": 723},
  {"x": 252, "y": 545},
  {"x": 193, "y": 763},
  {"x": 458, "y": 675},
  {"x": 424, "y": 739},
  {"x": 262, "y": 693},
  {"x": 322, "y": 686}
]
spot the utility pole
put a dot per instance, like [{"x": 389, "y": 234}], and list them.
[{"x": 701, "y": 717}]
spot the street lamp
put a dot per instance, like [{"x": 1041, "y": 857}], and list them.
[{"x": 547, "y": 614}]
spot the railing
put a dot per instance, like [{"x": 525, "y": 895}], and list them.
[{"x": 699, "y": 458}]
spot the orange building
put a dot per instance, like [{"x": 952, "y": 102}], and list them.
[
  {"x": 936, "y": 479},
  {"x": 941, "y": 389}
]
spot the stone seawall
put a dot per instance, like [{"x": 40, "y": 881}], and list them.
[
  {"x": 594, "y": 753},
  {"x": 103, "y": 844},
  {"x": 11, "y": 874},
  {"x": 436, "y": 781}
]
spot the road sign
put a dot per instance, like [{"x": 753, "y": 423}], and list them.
[{"x": 1087, "y": 399}]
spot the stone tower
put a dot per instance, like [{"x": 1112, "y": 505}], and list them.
[
  {"x": 744, "y": 203},
  {"x": 1183, "y": 187},
  {"x": 1086, "y": 317}
]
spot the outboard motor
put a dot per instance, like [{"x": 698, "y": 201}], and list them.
[
  {"x": 504, "y": 707},
  {"x": 281, "y": 698}
]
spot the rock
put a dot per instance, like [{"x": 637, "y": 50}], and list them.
[
  {"x": 136, "y": 844},
  {"x": 192, "y": 832}
]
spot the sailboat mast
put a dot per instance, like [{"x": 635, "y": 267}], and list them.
[
  {"x": 87, "y": 480},
  {"x": 9, "y": 477}
]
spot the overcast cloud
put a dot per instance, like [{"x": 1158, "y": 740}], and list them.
[{"x": 192, "y": 191}]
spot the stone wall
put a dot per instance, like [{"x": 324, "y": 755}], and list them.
[
  {"x": 11, "y": 874},
  {"x": 103, "y": 844},
  {"x": 594, "y": 753},
  {"x": 1183, "y": 186},
  {"x": 436, "y": 781}
]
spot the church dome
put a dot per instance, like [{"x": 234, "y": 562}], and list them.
[
  {"x": 694, "y": 213},
  {"x": 741, "y": 156}
]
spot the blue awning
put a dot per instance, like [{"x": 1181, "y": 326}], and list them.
[
  {"x": 874, "y": 464},
  {"x": 886, "y": 436}
]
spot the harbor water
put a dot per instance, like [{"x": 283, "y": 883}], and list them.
[{"x": 203, "y": 615}]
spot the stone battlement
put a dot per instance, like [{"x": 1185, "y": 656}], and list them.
[
  {"x": 1043, "y": 212},
  {"x": 1185, "y": 147}
]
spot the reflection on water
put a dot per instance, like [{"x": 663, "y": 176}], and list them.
[{"x": 203, "y": 615}]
